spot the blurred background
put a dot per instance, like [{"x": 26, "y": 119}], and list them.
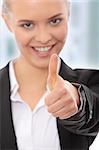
[{"x": 81, "y": 49}]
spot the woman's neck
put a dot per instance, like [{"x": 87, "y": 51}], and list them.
[{"x": 30, "y": 77}]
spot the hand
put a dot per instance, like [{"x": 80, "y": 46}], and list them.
[{"x": 63, "y": 99}]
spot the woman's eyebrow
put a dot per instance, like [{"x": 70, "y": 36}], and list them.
[
  {"x": 27, "y": 20},
  {"x": 24, "y": 20},
  {"x": 57, "y": 15}
]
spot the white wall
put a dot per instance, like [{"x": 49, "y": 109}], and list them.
[{"x": 82, "y": 48}]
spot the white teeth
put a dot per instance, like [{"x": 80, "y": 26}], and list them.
[{"x": 43, "y": 49}]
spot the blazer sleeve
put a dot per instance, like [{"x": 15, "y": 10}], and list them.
[{"x": 86, "y": 121}]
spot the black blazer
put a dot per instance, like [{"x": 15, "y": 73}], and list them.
[{"x": 75, "y": 133}]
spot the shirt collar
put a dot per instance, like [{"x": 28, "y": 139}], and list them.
[
  {"x": 14, "y": 88},
  {"x": 13, "y": 81}
]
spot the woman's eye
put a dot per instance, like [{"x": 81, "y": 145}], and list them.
[
  {"x": 55, "y": 21},
  {"x": 28, "y": 25}
]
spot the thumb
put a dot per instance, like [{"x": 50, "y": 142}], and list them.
[{"x": 52, "y": 72}]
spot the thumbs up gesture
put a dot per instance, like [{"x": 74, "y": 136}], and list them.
[{"x": 63, "y": 99}]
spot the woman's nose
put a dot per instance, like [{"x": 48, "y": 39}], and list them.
[{"x": 43, "y": 36}]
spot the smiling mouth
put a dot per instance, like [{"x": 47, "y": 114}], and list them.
[{"x": 43, "y": 49}]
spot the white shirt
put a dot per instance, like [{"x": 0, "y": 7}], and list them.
[
  {"x": 37, "y": 129},
  {"x": 95, "y": 144}
]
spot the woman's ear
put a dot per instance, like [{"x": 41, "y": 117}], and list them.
[{"x": 8, "y": 22}]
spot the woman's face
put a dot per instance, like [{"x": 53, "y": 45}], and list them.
[{"x": 40, "y": 28}]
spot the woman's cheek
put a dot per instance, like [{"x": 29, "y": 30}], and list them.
[
  {"x": 21, "y": 38},
  {"x": 61, "y": 34}
]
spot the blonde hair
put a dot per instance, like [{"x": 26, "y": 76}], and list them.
[{"x": 6, "y": 5}]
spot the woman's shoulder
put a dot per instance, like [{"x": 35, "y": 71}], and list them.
[
  {"x": 80, "y": 74},
  {"x": 4, "y": 71}
]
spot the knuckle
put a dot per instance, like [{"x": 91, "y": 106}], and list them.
[
  {"x": 64, "y": 116},
  {"x": 75, "y": 110},
  {"x": 63, "y": 90},
  {"x": 49, "y": 110},
  {"x": 70, "y": 100},
  {"x": 65, "y": 102},
  {"x": 73, "y": 105},
  {"x": 54, "y": 115}
]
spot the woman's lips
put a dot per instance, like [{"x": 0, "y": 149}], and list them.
[{"x": 42, "y": 51}]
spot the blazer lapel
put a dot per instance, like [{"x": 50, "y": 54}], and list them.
[
  {"x": 67, "y": 73},
  {"x": 8, "y": 139}
]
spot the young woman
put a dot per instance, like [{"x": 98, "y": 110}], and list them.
[{"x": 45, "y": 105}]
